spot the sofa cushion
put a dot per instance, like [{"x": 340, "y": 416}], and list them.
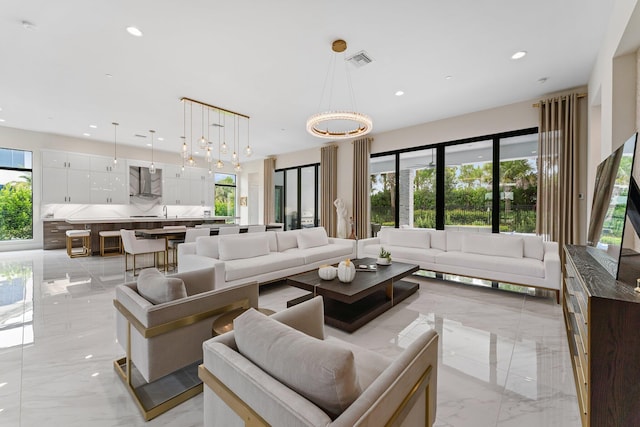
[
  {"x": 312, "y": 237},
  {"x": 273, "y": 242},
  {"x": 320, "y": 371},
  {"x": 242, "y": 247},
  {"x": 409, "y": 238},
  {"x": 454, "y": 240},
  {"x": 489, "y": 263},
  {"x": 156, "y": 288},
  {"x": 256, "y": 266},
  {"x": 286, "y": 240},
  {"x": 207, "y": 246},
  {"x": 438, "y": 239},
  {"x": 533, "y": 247},
  {"x": 322, "y": 253},
  {"x": 416, "y": 255},
  {"x": 494, "y": 245}
]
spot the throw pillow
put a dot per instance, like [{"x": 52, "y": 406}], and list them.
[
  {"x": 410, "y": 238},
  {"x": 156, "y": 288},
  {"x": 312, "y": 237},
  {"x": 320, "y": 371},
  {"x": 287, "y": 240},
  {"x": 242, "y": 247}
]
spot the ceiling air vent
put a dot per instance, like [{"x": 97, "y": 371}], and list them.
[{"x": 360, "y": 59}]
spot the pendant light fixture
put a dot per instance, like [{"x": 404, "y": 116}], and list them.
[
  {"x": 115, "y": 138},
  {"x": 202, "y": 141},
  {"x": 248, "y": 151},
  {"x": 185, "y": 148},
  {"x": 205, "y": 142},
  {"x": 327, "y": 124},
  {"x": 219, "y": 164},
  {"x": 223, "y": 148},
  {"x": 152, "y": 167}
]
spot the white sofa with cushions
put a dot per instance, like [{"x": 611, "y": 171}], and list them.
[
  {"x": 511, "y": 258},
  {"x": 263, "y": 257}
]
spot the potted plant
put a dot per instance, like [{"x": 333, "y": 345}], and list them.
[{"x": 384, "y": 258}]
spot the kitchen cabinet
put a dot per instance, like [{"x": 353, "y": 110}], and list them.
[
  {"x": 65, "y": 177},
  {"x": 108, "y": 181}
]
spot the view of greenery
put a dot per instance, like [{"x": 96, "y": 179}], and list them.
[
  {"x": 16, "y": 207},
  {"x": 225, "y": 196},
  {"x": 468, "y": 196}
]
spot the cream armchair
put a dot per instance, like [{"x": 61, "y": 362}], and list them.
[
  {"x": 166, "y": 338},
  {"x": 238, "y": 392}
]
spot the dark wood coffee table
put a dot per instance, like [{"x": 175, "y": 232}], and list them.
[{"x": 348, "y": 306}]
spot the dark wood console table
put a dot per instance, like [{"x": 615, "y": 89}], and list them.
[{"x": 602, "y": 317}]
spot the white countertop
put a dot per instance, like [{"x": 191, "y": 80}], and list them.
[{"x": 132, "y": 219}]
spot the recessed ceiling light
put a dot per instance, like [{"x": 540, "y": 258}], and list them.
[
  {"x": 2, "y": 120},
  {"x": 134, "y": 31},
  {"x": 519, "y": 54},
  {"x": 399, "y": 93},
  {"x": 0, "y": 108},
  {"x": 149, "y": 145},
  {"x": 93, "y": 126},
  {"x": 480, "y": 157},
  {"x": 160, "y": 139},
  {"x": 534, "y": 152},
  {"x": 108, "y": 75},
  {"x": 448, "y": 77},
  {"x": 86, "y": 134}
]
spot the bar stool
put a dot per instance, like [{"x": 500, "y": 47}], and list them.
[
  {"x": 110, "y": 250},
  {"x": 85, "y": 238}
]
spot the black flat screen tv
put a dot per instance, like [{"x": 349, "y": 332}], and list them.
[{"x": 615, "y": 212}]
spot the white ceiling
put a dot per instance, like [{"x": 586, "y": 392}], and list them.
[{"x": 269, "y": 59}]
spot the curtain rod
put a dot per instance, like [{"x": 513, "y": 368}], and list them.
[{"x": 580, "y": 95}]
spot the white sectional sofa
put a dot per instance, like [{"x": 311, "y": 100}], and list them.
[
  {"x": 511, "y": 258},
  {"x": 263, "y": 257}
]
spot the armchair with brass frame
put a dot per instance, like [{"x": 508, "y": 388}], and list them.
[
  {"x": 163, "y": 342},
  {"x": 398, "y": 392}
]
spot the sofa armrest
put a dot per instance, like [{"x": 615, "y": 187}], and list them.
[
  {"x": 186, "y": 249},
  {"x": 365, "y": 242},
  {"x": 347, "y": 242},
  {"x": 415, "y": 369},
  {"x": 152, "y": 320},
  {"x": 552, "y": 267}
]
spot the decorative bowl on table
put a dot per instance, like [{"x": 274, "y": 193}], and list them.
[
  {"x": 383, "y": 261},
  {"x": 327, "y": 272}
]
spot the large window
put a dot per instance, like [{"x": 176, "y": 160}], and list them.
[
  {"x": 225, "y": 195},
  {"x": 16, "y": 197},
  {"x": 382, "y": 172},
  {"x": 468, "y": 186},
  {"x": 480, "y": 184},
  {"x": 297, "y": 193}
]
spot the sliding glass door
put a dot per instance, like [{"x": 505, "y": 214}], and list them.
[{"x": 297, "y": 192}]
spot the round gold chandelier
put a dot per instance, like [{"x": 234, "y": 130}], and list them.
[{"x": 356, "y": 124}]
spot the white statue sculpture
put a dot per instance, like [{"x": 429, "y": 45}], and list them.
[{"x": 341, "y": 213}]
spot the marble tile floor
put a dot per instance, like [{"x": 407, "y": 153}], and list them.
[{"x": 504, "y": 358}]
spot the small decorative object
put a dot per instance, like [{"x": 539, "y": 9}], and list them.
[
  {"x": 346, "y": 271},
  {"x": 341, "y": 214},
  {"x": 327, "y": 272},
  {"x": 637, "y": 288},
  {"x": 384, "y": 258}
]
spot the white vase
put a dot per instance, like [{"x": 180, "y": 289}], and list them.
[
  {"x": 346, "y": 271},
  {"x": 327, "y": 272},
  {"x": 383, "y": 261}
]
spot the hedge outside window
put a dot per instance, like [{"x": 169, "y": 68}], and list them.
[
  {"x": 225, "y": 195},
  {"x": 16, "y": 196}
]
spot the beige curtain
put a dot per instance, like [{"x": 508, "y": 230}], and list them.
[
  {"x": 269, "y": 190},
  {"x": 558, "y": 161},
  {"x": 361, "y": 220},
  {"x": 329, "y": 189}
]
